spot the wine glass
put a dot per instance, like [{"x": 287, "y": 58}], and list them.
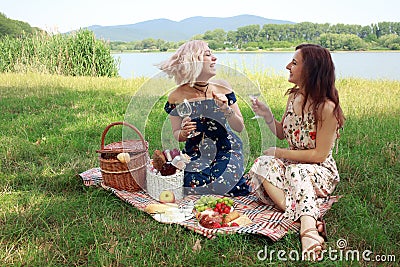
[
  {"x": 253, "y": 96},
  {"x": 184, "y": 110}
]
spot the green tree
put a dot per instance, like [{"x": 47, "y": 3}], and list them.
[
  {"x": 248, "y": 33},
  {"x": 391, "y": 41},
  {"x": 14, "y": 28}
]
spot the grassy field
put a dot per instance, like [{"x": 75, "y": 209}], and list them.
[{"x": 50, "y": 131}]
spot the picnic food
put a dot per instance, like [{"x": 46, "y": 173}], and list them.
[
  {"x": 167, "y": 169},
  {"x": 175, "y": 152},
  {"x": 230, "y": 217},
  {"x": 243, "y": 220},
  {"x": 167, "y": 162},
  {"x": 159, "y": 208},
  {"x": 209, "y": 219},
  {"x": 167, "y": 196},
  {"x": 206, "y": 201},
  {"x": 216, "y": 212},
  {"x": 158, "y": 159},
  {"x": 124, "y": 157}
]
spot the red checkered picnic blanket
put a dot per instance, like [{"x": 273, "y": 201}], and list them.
[{"x": 267, "y": 220}]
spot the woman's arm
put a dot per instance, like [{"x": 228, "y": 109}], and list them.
[
  {"x": 235, "y": 118},
  {"x": 232, "y": 113},
  {"x": 274, "y": 125},
  {"x": 326, "y": 134},
  {"x": 181, "y": 128}
]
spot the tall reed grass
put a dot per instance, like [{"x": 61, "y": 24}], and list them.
[{"x": 76, "y": 54}]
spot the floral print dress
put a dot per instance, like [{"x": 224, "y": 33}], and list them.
[
  {"x": 217, "y": 163},
  {"x": 304, "y": 184}
]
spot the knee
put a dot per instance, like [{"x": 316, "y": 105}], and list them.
[{"x": 295, "y": 170}]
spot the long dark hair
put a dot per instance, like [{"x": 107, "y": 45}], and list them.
[{"x": 319, "y": 80}]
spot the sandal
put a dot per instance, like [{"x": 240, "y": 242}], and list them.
[
  {"x": 314, "y": 251},
  {"x": 323, "y": 233}
]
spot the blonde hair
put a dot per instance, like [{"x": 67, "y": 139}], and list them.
[{"x": 186, "y": 64}]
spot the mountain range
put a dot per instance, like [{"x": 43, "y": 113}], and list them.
[{"x": 169, "y": 30}]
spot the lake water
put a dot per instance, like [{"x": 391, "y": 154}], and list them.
[{"x": 368, "y": 65}]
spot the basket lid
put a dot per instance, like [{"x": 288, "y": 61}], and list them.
[{"x": 135, "y": 146}]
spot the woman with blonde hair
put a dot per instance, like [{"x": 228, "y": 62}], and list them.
[{"x": 216, "y": 164}]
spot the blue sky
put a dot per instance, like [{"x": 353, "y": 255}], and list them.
[{"x": 62, "y": 16}]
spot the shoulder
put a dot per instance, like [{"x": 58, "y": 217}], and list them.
[
  {"x": 176, "y": 95},
  {"x": 328, "y": 107},
  {"x": 222, "y": 87},
  {"x": 326, "y": 110}
]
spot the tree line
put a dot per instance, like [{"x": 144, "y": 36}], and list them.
[
  {"x": 14, "y": 28},
  {"x": 379, "y": 36}
]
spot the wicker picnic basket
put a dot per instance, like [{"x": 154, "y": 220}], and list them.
[
  {"x": 129, "y": 176},
  {"x": 156, "y": 183}
]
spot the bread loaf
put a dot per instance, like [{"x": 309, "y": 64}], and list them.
[
  {"x": 158, "y": 159},
  {"x": 231, "y": 216},
  {"x": 159, "y": 208},
  {"x": 242, "y": 220}
]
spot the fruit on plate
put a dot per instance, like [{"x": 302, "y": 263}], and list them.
[
  {"x": 209, "y": 219},
  {"x": 212, "y": 219},
  {"x": 206, "y": 202},
  {"x": 167, "y": 196}
]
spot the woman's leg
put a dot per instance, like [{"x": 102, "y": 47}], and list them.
[
  {"x": 267, "y": 179},
  {"x": 276, "y": 194}
]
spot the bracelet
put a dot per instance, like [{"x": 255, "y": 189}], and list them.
[
  {"x": 272, "y": 120},
  {"x": 229, "y": 113}
]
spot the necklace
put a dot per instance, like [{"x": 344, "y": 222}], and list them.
[
  {"x": 200, "y": 90},
  {"x": 201, "y": 85}
]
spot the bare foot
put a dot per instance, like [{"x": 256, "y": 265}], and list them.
[{"x": 321, "y": 227}]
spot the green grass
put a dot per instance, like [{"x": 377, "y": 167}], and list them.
[{"x": 50, "y": 130}]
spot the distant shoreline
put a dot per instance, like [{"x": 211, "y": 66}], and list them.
[{"x": 279, "y": 50}]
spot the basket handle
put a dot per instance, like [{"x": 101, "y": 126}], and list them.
[{"x": 103, "y": 136}]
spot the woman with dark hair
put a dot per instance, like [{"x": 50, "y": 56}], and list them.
[{"x": 298, "y": 178}]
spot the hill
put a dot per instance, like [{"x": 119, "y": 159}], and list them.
[
  {"x": 14, "y": 28},
  {"x": 174, "y": 31}
]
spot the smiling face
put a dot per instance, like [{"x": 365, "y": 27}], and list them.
[
  {"x": 209, "y": 62},
  {"x": 295, "y": 68}
]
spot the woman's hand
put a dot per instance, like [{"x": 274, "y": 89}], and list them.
[
  {"x": 221, "y": 100},
  {"x": 270, "y": 151},
  {"x": 261, "y": 109},
  {"x": 187, "y": 126}
]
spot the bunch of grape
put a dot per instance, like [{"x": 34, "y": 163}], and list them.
[{"x": 206, "y": 202}]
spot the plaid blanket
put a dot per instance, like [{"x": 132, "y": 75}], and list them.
[{"x": 267, "y": 220}]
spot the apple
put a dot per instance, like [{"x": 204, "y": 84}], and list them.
[{"x": 167, "y": 196}]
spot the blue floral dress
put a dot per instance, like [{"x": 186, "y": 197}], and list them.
[
  {"x": 217, "y": 164},
  {"x": 305, "y": 185}
]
